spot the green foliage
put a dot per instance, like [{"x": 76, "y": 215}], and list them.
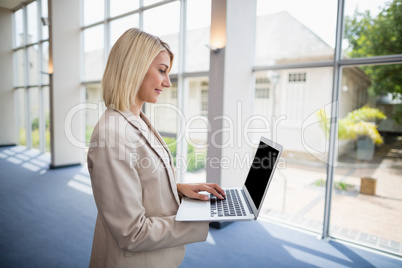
[
  {"x": 378, "y": 36},
  {"x": 195, "y": 160},
  {"x": 35, "y": 122},
  {"x": 360, "y": 122},
  {"x": 35, "y": 138},
  {"x": 88, "y": 133},
  {"x": 341, "y": 186}
]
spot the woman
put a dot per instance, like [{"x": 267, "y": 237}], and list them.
[{"x": 131, "y": 167}]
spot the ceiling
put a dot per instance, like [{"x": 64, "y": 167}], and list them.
[{"x": 11, "y": 4}]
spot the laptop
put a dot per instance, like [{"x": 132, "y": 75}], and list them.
[{"x": 240, "y": 203}]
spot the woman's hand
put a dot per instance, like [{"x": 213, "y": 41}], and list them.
[{"x": 192, "y": 190}]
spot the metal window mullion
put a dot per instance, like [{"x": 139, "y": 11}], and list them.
[
  {"x": 141, "y": 15},
  {"x": 182, "y": 90},
  {"x": 106, "y": 31},
  {"x": 334, "y": 120}
]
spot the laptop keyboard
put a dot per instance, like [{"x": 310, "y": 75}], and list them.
[{"x": 230, "y": 206}]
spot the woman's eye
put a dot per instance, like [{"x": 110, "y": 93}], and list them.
[{"x": 162, "y": 71}]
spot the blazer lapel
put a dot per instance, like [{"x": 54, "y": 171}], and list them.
[{"x": 159, "y": 145}]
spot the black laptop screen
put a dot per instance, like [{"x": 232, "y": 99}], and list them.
[{"x": 260, "y": 172}]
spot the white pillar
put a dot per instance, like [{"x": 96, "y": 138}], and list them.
[
  {"x": 8, "y": 134},
  {"x": 65, "y": 91},
  {"x": 230, "y": 90}
]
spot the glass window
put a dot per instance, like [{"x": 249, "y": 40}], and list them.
[
  {"x": 288, "y": 32},
  {"x": 21, "y": 118},
  {"x": 19, "y": 28},
  {"x": 46, "y": 109},
  {"x": 197, "y": 127},
  {"x": 164, "y": 22},
  {"x": 45, "y": 28},
  {"x": 119, "y": 26},
  {"x": 32, "y": 11},
  {"x": 372, "y": 28},
  {"x": 34, "y": 116},
  {"x": 93, "y": 53},
  {"x": 118, "y": 7},
  {"x": 295, "y": 94},
  {"x": 95, "y": 108},
  {"x": 94, "y": 11},
  {"x": 198, "y": 35},
  {"x": 33, "y": 65},
  {"x": 296, "y": 193},
  {"x": 367, "y": 178},
  {"x": 45, "y": 63},
  {"x": 19, "y": 66}
]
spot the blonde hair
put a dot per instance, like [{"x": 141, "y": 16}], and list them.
[{"x": 127, "y": 65}]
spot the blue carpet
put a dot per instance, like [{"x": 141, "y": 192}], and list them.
[
  {"x": 48, "y": 217},
  {"x": 265, "y": 244}
]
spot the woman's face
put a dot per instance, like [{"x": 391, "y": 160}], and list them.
[{"x": 155, "y": 80}]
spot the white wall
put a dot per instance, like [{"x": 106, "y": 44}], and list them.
[
  {"x": 8, "y": 134},
  {"x": 66, "y": 91}
]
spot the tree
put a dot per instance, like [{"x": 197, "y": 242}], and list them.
[{"x": 378, "y": 36}]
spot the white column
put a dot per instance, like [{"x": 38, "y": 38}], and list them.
[
  {"x": 8, "y": 134},
  {"x": 230, "y": 90},
  {"x": 65, "y": 91}
]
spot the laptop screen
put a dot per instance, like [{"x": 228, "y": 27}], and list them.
[{"x": 260, "y": 172}]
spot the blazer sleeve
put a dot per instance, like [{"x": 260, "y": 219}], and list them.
[{"x": 118, "y": 195}]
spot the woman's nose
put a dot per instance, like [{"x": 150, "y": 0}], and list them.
[{"x": 166, "y": 82}]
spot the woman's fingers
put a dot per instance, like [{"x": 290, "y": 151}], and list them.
[
  {"x": 192, "y": 190},
  {"x": 214, "y": 189}
]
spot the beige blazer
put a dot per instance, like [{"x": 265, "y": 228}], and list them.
[{"x": 136, "y": 195}]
